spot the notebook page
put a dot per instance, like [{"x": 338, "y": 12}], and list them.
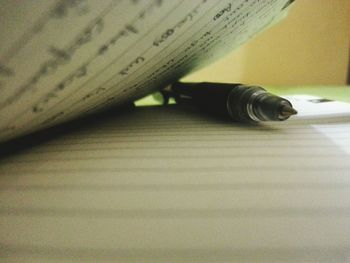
[
  {"x": 61, "y": 59},
  {"x": 161, "y": 184}
]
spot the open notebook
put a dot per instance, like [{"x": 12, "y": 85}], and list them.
[
  {"x": 61, "y": 59},
  {"x": 161, "y": 184}
]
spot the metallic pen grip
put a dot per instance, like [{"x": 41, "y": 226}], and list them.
[{"x": 255, "y": 104}]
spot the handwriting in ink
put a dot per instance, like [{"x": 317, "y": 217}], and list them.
[
  {"x": 41, "y": 104},
  {"x": 6, "y": 71},
  {"x": 170, "y": 31},
  {"x": 222, "y": 11},
  {"x": 131, "y": 65},
  {"x": 61, "y": 9},
  {"x": 93, "y": 93},
  {"x": 112, "y": 41},
  {"x": 83, "y": 38},
  {"x": 60, "y": 57},
  {"x": 52, "y": 118}
]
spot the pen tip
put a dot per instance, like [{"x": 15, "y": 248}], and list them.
[{"x": 287, "y": 111}]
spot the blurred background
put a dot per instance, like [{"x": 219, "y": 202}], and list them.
[{"x": 309, "y": 47}]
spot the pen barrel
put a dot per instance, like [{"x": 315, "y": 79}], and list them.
[
  {"x": 208, "y": 97},
  {"x": 237, "y": 101}
]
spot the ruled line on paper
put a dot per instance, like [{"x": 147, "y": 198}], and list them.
[
  {"x": 180, "y": 213},
  {"x": 343, "y": 142},
  {"x": 180, "y": 187},
  {"x": 271, "y": 157},
  {"x": 207, "y": 254},
  {"x": 162, "y": 170},
  {"x": 123, "y": 148}
]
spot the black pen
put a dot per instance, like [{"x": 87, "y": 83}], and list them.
[{"x": 240, "y": 102}]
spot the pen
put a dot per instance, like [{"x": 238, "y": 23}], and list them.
[{"x": 239, "y": 102}]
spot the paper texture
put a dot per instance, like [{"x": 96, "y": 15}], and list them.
[
  {"x": 61, "y": 59},
  {"x": 161, "y": 184},
  {"x": 316, "y": 107}
]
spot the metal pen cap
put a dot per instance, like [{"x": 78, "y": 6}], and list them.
[{"x": 255, "y": 104}]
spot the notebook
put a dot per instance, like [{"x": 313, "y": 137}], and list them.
[
  {"x": 167, "y": 184},
  {"x": 61, "y": 59},
  {"x": 154, "y": 184}
]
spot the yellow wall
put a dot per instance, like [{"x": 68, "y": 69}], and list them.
[{"x": 310, "y": 46}]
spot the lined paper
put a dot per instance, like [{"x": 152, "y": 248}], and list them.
[{"x": 161, "y": 184}]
